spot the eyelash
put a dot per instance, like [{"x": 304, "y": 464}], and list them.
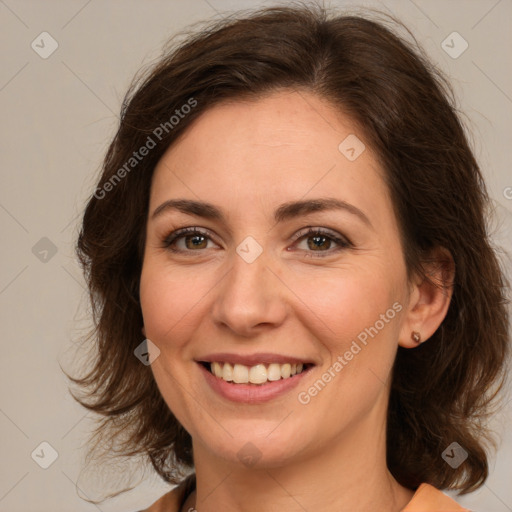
[{"x": 342, "y": 242}]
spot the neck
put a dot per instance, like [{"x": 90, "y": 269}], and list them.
[{"x": 345, "y": 474}]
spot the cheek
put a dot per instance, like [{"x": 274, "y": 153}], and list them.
[
  {"x": 169, "y": 299},
  {"x": 358, "y": 328},
  {"x": 359, "y": 347},
  {"x": 347, "y": 302}
]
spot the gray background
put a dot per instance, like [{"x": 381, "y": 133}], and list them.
[{"x": 59, "y": 114}]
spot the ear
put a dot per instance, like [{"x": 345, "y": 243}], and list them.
[{"x": 429, "y": 298}]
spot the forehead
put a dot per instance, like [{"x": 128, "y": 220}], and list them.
[{"x": 284, "y": 146}]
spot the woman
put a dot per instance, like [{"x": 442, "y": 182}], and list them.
[{"x": 294, "y": 289}]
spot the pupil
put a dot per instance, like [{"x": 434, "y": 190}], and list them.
[
  {"x": 196, "y": 240},
  {"x": 318, "y": 241}
]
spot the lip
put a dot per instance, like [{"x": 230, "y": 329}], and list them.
[
  {"x": 252, "y": 393},
  {"x": 252, "y": 359}
]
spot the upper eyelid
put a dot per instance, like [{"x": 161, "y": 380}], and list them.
[
  {"x": 307, "y": 230},
  {"x": 189, "y": 230},
  {"x": 317, "y": 229}
]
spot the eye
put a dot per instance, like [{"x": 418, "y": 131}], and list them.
[
  {"x": 314, "y": 240},
  {"x": 187, "y": 239},
  {"x": 321, "y": 241}
]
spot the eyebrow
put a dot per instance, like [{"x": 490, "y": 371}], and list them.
[{"x": 285, "y": 212}]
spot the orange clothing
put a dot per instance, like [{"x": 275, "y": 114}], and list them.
[
  {"x": 429, "y": 499},
  {"x": 426, "y": 499}
]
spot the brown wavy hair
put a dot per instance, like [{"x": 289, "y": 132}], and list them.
[{"x": 443, "y": 390}]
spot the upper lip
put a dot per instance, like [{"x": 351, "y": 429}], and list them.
[{"x": 252, "y": 359}]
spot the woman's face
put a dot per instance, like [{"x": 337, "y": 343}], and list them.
[{"x": 254, "y": 287}]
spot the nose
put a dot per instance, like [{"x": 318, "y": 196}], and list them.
[{"x": 250, "y": 297}]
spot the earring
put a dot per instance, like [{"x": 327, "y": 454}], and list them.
[{"x": 416, "y": 337}]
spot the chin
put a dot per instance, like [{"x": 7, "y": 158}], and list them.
[{"x": 259, "y": 450}]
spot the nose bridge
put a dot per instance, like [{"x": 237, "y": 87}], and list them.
[{"x": 250, "y": 294}]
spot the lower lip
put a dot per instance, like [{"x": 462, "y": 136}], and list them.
[{"x": 252, "y": 393}]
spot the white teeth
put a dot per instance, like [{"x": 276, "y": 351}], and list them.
[
  {"x": 217, "y": 369},
  {"x": 227, "y": 372},
  {"x": 258, "y": 374},
  {"x": 286, "y": 370},
  {"x": 274, "y": 371},
  {"x": 240, "y": 374}
]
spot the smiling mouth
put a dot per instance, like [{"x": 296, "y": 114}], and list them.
[{"x": 258, "y": 374}]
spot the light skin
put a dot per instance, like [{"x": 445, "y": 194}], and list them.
[{"x": 247, "y": 159}]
